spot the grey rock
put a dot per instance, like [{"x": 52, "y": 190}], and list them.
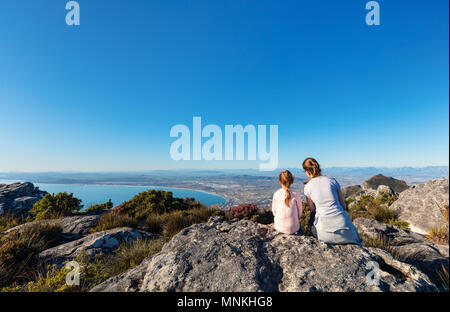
[
  {"x": 74, "y": 225},
  {"x": 246, "y": 256},
  {"x": 421, "y": 205},
  {"x": 100, "y": 242},
  {"x": 19, "y": 198},
  {"x": 408, "y": 247},
  {"x": 352, "y": 191}
]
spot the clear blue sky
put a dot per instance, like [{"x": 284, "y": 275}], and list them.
[{"x": 103, "y": 96}]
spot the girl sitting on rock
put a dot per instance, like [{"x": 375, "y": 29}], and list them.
[
  {"x": 330, "y": 223},
  {"x": 286, "y": 206}
]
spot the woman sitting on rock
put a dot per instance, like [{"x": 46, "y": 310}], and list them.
[
  {"x": 329, "y": 221},
  {"x": 286, "y": 206}
]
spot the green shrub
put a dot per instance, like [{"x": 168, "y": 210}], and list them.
[
  {"x": 8, "y": 221},
  {"x": 112, "y": 220},
  {"x": 154, "y": 201},
  {"x": 56, "y": 206},
  {"x": 98, "y": 207},
  {"x": 376, "y": 208},
  {"x": 263, "y": 216}
]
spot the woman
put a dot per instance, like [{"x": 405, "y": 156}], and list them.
[
  {"x": 331, "y": 224},
  {"x": 286, "y": 206}
]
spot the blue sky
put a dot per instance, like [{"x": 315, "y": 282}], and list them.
[{"x": 103, "y": 96}]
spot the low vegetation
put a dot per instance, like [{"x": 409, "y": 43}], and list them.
[
  {"x": 169, "y": 224},
  {"x": 8, "y": 221},
  {"x": 19, "y": 251},
  {"x": 439, "y": 235},
  {"x": 112, "y": 220},
  {"x": 380, "y": 241},
  {"x": 243, "y": 211},
  {"x": 375, "y": 208},
  {"x": 443, "y": 274},
  {"x": 53, "y": 279}
]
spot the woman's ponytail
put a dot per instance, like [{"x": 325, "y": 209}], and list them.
[{"x": 311, "y": 166}]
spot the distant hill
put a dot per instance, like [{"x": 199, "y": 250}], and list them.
[{"x": 397, "y": 186}]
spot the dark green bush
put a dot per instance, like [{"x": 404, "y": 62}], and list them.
[
  {"x": 154, "y": 201},
  {"x": 98, "y": 207},
  {"x": 56, "y": 206}
]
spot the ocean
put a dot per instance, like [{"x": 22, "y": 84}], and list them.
[{"x": 96, "y": 194}]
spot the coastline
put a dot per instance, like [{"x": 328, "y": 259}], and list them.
[{"x": 155, "y": 187}]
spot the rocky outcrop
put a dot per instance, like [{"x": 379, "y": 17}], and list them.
[
  {"x": 408, "y": 247},
  {"x": 375, "y": 186},
  {"x": 374, "y": 182},
  {"x": 74, "y": 225},
  {"x": 19, "y": 198},
  {"x": 421, "y": 205},
  {"x": 246, "y": 256},
  {"x": 100, "y": 242}
]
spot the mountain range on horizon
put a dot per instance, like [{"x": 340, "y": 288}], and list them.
[{"x": 409, "y": 174}]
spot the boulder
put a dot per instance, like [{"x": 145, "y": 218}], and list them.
[
  {"x": 352, "y": 191},
  {"x": 408, "y": 247},
  {"x": 421, "y": 205},
  {"x": 375, "y": 186},
  {"x": 100, "y": 242},
  {"x": 73, "y": 225},
  {"x": 19, "y": 198},
  {"x": 246, "y": 256}
]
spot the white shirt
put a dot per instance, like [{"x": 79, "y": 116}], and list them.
[{"x": 323, "y": 191}]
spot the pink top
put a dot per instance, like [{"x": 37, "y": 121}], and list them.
[{"x": 287, "y": 217}]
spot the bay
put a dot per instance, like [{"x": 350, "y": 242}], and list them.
[{"x": 91, "y": 194}]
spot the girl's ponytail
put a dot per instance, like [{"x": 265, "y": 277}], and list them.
[{"x": 286, "y": 179}]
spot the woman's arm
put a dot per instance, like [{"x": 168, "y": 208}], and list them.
[
  {"x": 274, "y": 206},
  {"x": 311, "y": 205},
  {"x": 342, "y": 200},
  {"x": 312, "y": 214}
]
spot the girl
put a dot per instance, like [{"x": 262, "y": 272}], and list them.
[
  {"x": 286, "y": 205},
  {"x": 331, "y": 224}
]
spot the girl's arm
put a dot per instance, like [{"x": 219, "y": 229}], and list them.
[
  {"x": 298, "y": 202},
  {"x": 342, "y": 200}
]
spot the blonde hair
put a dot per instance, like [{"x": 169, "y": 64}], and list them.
[
  {"x": 311, "y": 166},
  {"x": 286, "y": 179}
]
